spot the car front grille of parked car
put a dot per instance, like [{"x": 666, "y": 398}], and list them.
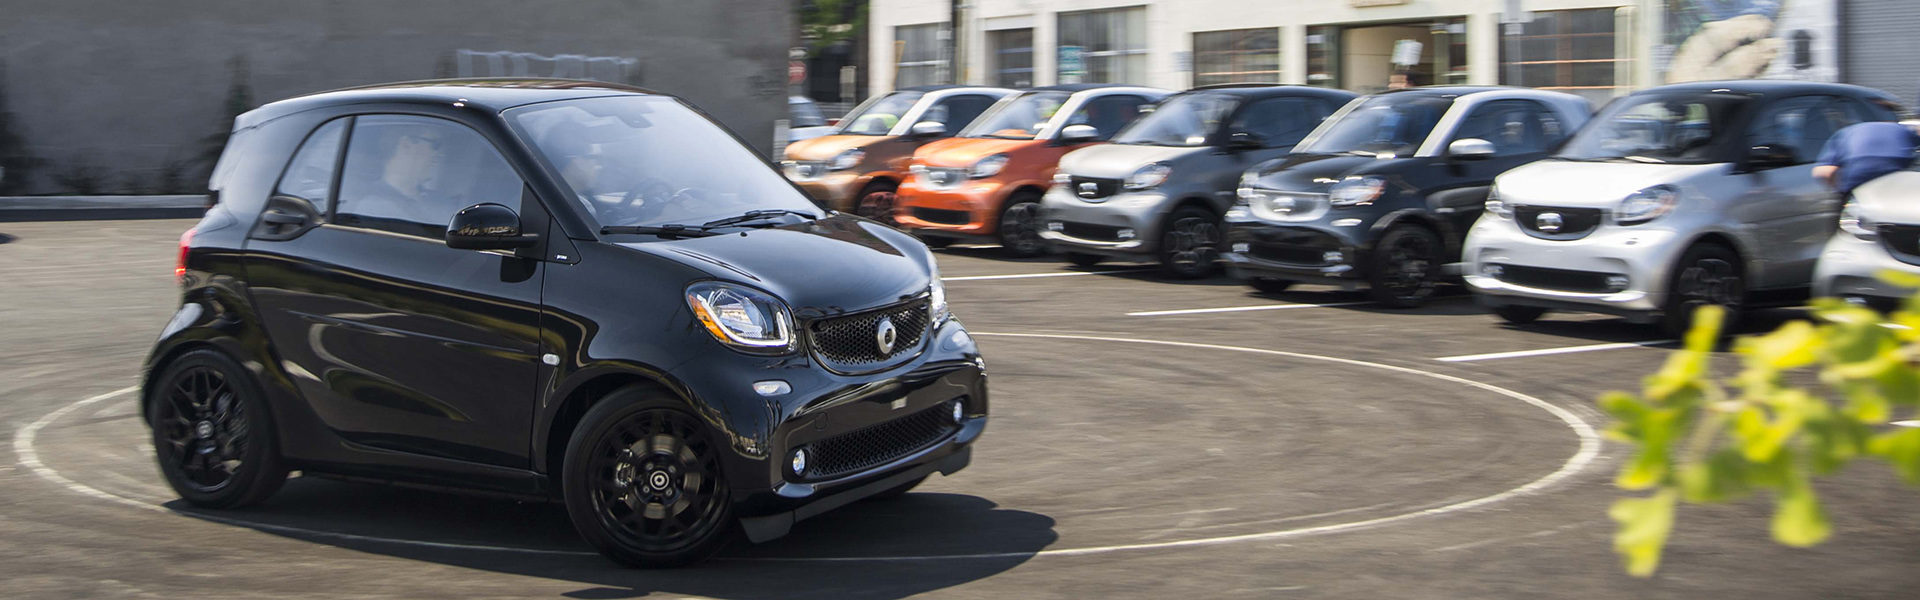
[
  {"x": 1902, "y": 241},
  {"x": 942, "y": 216},
  {"x": 853, "y": 343},
  {"x": 876, "y": 445},
  {"x": 1554, "y": 223},
  {"x": 1289, "y": 254},
  {"x": 1567, "y": 280},
  {"x": 1089, "y": 231},
  {"x": 1092, "y": 188}
]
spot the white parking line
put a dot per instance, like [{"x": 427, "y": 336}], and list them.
[
  {"x": 1035, "y": 275},
  {"x": 1548, "y": 351},
  {"x": 1195, "y": 311}
]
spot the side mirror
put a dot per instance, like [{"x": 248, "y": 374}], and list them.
[
  {"x": 1245, "y": 140},
  {"x": 928, "y": 129},
  {"x": 487, "y": 227},
  {"x": 1769, "y": 156},
  {"x": 1470, "y": 149},
  {"x": 1078, "y": 134}
]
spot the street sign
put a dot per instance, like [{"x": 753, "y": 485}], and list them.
[
  {"x": 796, "y": 72},
  {"x": 1073, "y": 64},
  {"x": 1406, "y": 53}
]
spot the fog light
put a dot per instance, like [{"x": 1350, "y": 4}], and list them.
[
  {"x": 959, "y": 411},
  {"x": 1242, "y": 247},
  {"x": 1492, "y": 270},
  {"x": 771, "y": 387},
  {"x": 1125, "y": 234},
  {"x": 800, "y": 461},
  {"x": 1333, "y": 257},
  {"x": 1055, "y": 226},
  {"x": 1616, "y": 282}
]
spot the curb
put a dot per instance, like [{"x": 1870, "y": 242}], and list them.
[{"x": 87, "y": 208}]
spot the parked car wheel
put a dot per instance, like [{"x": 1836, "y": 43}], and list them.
[
  {"x": 1405, "y": 267},
  {"x": 642, "y": 482},
  {"x": 876, "y": 202},
  {"x": 1191, "y": 243},
  {"x": 1269, "y": 285},
  {"x": 898, "y": 490},
  {"x": 1020, "y": 226},
  {"x": 1080, "y": 259},
  {"x": 212, "y": 435},
  {"x": 1706, "y": 274},
  {"x": 1519, "y": 315}
]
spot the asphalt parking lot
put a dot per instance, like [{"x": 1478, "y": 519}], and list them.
[{"x": 1150, "y": 439}]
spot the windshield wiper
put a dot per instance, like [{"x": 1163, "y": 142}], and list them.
[
  {"x": 671, "y": 231},
  {"x": 754, "y": 215}
]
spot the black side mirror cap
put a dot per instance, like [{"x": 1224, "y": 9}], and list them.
[
  {"x": 488, "y": 227},
  {"x": 1245, "y": 140}
]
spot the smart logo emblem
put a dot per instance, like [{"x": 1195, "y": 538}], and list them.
[
  {"x": 1550, "y": 222},
  {"x": 886, "y": 335}
]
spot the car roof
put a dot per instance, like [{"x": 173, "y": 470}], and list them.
[
  {"x": 1452, "y": 90},
  {"x": 1772, "y": 87},
  {"x": 1073, "y": 87},
  {"x": 1262, "y": 90},
  {"x": 492, "y": 95}
]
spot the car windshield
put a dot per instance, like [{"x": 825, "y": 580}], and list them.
[
  {"x": 879, "y": 114},
  {"x": 1387, "y": 124},
  {"x": 1018, "y": 119},
  {"x": 1184, "y": 120},
  {"x": 804, "y": 113},
  {"x": 1681, "y": 127},
  {"x": 650, "y": 160}
]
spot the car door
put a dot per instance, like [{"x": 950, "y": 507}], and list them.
[
  {"x": 1520, "y": 131},
  {"x": 1790, "y": 214},
  {"x": 397, "y": 341}
]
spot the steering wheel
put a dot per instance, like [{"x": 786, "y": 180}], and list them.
[{"x": 652, "y": 197}]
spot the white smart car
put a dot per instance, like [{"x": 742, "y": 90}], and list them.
[{"x": 1879, "y": 231}]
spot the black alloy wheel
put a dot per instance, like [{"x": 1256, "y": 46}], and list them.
[
  {"x": 877, "y": 202},
  {"x": 1020, "y": 226},
  {"x": 1082, "y": 259},
  {"x": 1405, "y": 269},
  {"x": 1269, "y": 285},
  {"x": 1706, "y": 274},
  {"x": 211, "y": 433},
  {"x": 1191, "y": 243},
  {"x": 1519, "y": 315},
  {"x": 642, "y": 482}
]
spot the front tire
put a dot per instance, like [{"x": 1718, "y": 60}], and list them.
[
  {"x": 212, "y": 434},
  {"x": 1020, "y": 226},
  {"x": 642, "y": 482},
  {"x": 1706, "y": 274},
  {"x": 876, "y": 202},
  {"x": 1404, "y": 269},
  {"x": 1191, "y": 243}
]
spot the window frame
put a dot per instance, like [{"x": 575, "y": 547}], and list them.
[
  {"x": 1563, "y": 63},
  {"x": 1540, "y": 110},
  {"x": 339, "y": 159},
  {"x": 1803, "y": 155},
  {"x": 493, "y": 142},
  {"x": 1236, "y": 59}
]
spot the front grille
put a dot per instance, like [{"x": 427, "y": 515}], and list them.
[
  {"x": 852, "y": 343},
  {"x": 1100, "y": 187},
  {"x": 1574, "y": 223},
  {"x": 1289, "y": 254},
  {"x": 876, "y": 445},
  {"x": 1089, "y": 231},
  {"x": 942, "y": 216},
  {"x": 1555, "y": 279},
  {"x": 1902, "y": 241}
]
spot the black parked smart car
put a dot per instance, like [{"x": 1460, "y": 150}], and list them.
[
  {"x": 557, "y": 289},
  {"x": 1385, "y": 189}
]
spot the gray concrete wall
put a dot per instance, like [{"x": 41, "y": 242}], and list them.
[{"x": 132, "y": 96}]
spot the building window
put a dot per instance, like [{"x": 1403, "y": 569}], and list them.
[
  {"x": 918, "y": 54},
  {"x": 1564, "y": 50},
  {"x": 1323, "y": 56},
  {"x": 1111, "y": 46},
  {"x": 1241, "y": 55},
  {"x": 1010, "y": 57}
]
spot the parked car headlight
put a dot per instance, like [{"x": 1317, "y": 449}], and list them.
[
  {"x": 847, "y": 160},
  {"x": 1851, "y": 221},
  {"x": 1496, "y": 206},
  {"x": 988, "y": 167},
  {"x": 1062, "y": 178},
  {"x": 1356, "y": 191},
  {"x": 1646, "y": 205},
  {"x": 1148, "y": 176},
  {"x": 742, "y": 317}
]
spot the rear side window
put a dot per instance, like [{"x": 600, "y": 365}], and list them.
[
  {"x": 309, "y": 176},
  {"x": 1513, "y": 127},
  {"x": 1279, "y": 121},
  {"x": 1107, "y": 114},
  {"x": 956, "y": 112},
  {"x": 409, "y": 174},
  {"x": 1801, "y": 123}
]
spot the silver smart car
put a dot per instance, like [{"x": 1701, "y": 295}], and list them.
[
  {"x": 1879, "y": 231},
  {"x": 1672, "y": 198}
]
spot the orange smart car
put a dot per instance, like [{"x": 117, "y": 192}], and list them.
[
  {"x": 987, "y": 183},
  {"x": 857, "y": 167}
]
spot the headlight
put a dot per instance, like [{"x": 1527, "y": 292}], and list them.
[
  {"x": 742, "y": 317},
  {"x": 1646, "y": 205},
  {"x": 1496, "y": 206},
  {"x": 918, "y": 170},
  {"x": 1062, "y": 178},
  {"x": 1356, "y": 191},
  {"x": 847, "y": 160},
  {"x": 790, "y": 169},
  {"x": 988, "y": 167},
  {"x": 1148, "y": 176},
  {"x": 1852, "y": 222},
  {"x": 937, "y": 300}
]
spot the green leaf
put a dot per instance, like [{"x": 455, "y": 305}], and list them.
[
  {"x": 1798, "y": 519},
  {"x": 1793, "y": 345},
  {"x": 1723, "y": 476},
  {"x": 1900, "y": 278},
  {"x": 1902, "y": 448},
  {"x": 1644, "y": 526}
]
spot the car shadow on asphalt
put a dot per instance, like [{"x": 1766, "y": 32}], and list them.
[
  {"x": 1616, "y": 329},
  {"x": 879, "y": 549}
]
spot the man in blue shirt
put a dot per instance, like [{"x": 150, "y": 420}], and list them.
[{"x": 1860, "y": 152}]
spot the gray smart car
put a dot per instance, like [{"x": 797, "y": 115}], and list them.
[{"x": 1160, "y": 188}]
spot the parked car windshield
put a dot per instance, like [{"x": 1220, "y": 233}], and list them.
[
  {"x": 1018, "y": 119},
  {"x": 1387, "y": 124},
  {"x": 804, "y": 113},
  {"x": 650, "y": 160},
  {"x": 1676, "y": 127},
  {"x": 1184, "y": 120},
  {"x": 879, "y": 114}
]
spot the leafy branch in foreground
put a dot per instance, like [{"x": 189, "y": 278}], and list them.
[{"x": 1701, "y": 439}]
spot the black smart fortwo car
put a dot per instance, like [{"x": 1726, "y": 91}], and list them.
[{"x": 557, "y": 289}]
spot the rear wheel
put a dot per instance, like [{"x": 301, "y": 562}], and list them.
[
  {"x": 211, "y": 432},
  {"x": 1706, "y": 274},
  {"x": 1405, "y": 267},
  {"x": 642, "y": 482},
  {"x": 1269, "y": 285},
  {"x": 1519, "y": 315},
  {"x": 876, "y": 202},
  {"x": 1081, "y": 259},
  {"x": 1020, "y": 226},
  {"x": 1191, "y": 243}
]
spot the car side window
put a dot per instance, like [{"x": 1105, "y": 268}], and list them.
[
  {"x": 1107, "y": 114},
  {"x": 309, "y": 175},
  {"x": 410, "y": 174},
  {"x": 957, "y": 111},
  {"x": 1278, "y": 121},
  {"x": 1512, "y": 126},
  {"x": 1801, "y": 124}
]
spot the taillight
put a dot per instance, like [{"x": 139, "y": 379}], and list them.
[{"x": 180, "y": 266}]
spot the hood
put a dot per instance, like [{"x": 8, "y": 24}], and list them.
[
  {"x": 1891, "y": 198},
  {"x": 830, "y": 266},
  {"x": 806, "y": 133},
  {"x": 1591, "y": 184},
  {"x": 963, "y": 152},
  {"x": 1315, "y": 172},
  {"x": 828, "y": 146},
  {"x": 1116, "y": 161}
]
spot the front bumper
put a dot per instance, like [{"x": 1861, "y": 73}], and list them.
[
  {"x": 980, "y": 200},
  {"x": 1295, "y": 252},
  {"x": 1850, "y": 267},
  {"x": 836, "y": 190},
  {"x": 1643, "y": 255},
  {"x": 1124, "y": 224}
]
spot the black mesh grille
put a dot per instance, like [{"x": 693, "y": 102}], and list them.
[
  {"x": 1101, "y": 188},
  {"x": 1903, "y": 241},
  {"x": 1555, "y": 279},
  {"x": 1290, "y": 254},
  {"x": 942, "y": 216},
  {"x": 852, "y": 343},
  {"x": 1089, "y": 231},
  {"x": 1574, "y": 222},
  {"x": 873, "y": 446}
]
